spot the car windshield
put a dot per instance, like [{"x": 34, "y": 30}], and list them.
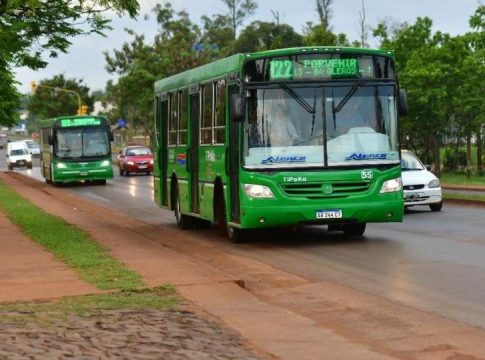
[
  {"x": 320, "y": 126},
  {"x": 138, "y": 151},
  {"x": 32, "y": 145},
  {"x": 81, "y": 143},
  {"x": 410, "y": 162},
  {"x": 18, "y": 152}
]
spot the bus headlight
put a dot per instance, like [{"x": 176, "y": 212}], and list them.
[
  {"x": 61, "y": 166},
  {"x": 105, "y": 163},
  {"x": 435, "y": 183},
  {"x": 258, "y": 191},
  {"x": 391, "y": 186}
]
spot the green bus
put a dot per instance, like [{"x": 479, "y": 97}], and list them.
[
  {"x": 282, "y": 138},
  {"x": 76, "y": 148}
]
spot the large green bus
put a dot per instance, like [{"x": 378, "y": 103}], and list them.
[
  {"x": 76, "y": 148},
  {"x": 281, "y": 138}
]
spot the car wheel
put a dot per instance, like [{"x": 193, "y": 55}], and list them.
[
  {"x": 354, "y": 229},
  {"x": 184, "y": 222},
  {"x": 436, "y": 207}
]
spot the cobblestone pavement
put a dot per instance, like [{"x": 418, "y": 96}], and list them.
[{"x": 119, "y": 334}]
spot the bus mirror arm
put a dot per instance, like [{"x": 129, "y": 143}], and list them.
[
  {"x": 236, "y": 107},
  {"x": 403, "y": 102}
]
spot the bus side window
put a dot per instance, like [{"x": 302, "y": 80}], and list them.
[
  {"x": 173, "y": 123},
  {"x": 184, "y": 113},
  {"x": 220, "y": 113},
  {"x": 206, "y": 118}
]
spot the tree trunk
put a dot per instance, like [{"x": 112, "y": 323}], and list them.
[
  {"x": 468, "y": 154},
  {"x": 479, "y": 151}
]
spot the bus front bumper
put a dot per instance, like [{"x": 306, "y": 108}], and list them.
[
  {"x": 80, "y": 175},
  {"x": 256, "y": 216}
]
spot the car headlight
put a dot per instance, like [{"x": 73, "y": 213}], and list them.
[
  {"x": 61, "y": 166},
  {"x": 130, "y": 163},
  {"x": 105, "y": 163},
  {"x": 391, "y": 186},
  {"x": 434, "y": 183},
  {"x": 258, "y": 191},
  {"x": 151, "y": 162}
]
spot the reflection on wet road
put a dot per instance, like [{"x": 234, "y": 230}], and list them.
[{"x": 432, "y": 261}]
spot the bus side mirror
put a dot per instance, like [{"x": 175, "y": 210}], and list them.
[
  {"x": 403, "y": 102},
  {"x": 236, "y": 108}
]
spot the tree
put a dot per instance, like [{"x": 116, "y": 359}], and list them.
[
  {"x": 324, "y": 13},
  {"x": 238, "y": 11},
  {"x": 29, "y": 29},
  {"x": 140, "y": 64},
  {"x": 259, "y": 36},
  {"x": 363, "y": 29},
  {"x": 47, "y": 102}
]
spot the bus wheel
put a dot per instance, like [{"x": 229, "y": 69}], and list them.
[
  {"x": 237, "y": 235},
  {"x": 184, "y": 222},
  {"x": 354, "y": 229}
]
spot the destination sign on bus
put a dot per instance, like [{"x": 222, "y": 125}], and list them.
[
  {"x": 80, "y": 122},
  {"x": 314, "y": 68}
]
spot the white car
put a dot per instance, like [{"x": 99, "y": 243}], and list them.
[
  {"x": 18, "y": 155},
  {"x": 420, "y": 186},
  {"x": 32, "y": 147}
]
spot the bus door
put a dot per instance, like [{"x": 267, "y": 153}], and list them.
[
  {"x": 194, "y": 121},
  {"x": 233, "y": 161},
  {"x": 162, "y": 154}
]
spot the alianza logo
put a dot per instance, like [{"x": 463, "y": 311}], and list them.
[
  {"x": 284, "y": 159},
  {"x": 360, "y": 156}
]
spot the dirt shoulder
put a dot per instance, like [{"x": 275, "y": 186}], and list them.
[
  {"x": 283, "y": 315},
  {"x": 28, "y": 272}
]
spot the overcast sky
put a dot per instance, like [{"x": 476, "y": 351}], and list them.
[{"x": 86, "y": 60}]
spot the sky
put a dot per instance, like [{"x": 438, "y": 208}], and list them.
[{"x": 86, "y": 60}]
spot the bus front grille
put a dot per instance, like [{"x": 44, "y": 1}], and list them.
[{"x": 327, "y": 189}]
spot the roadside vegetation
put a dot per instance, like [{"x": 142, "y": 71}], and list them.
[
  {"x": 160, "y": 298},
  {"x": 464, "y": 196},
  {"x": 452, "y": 178},
  {"x": 68, "y": 243}
]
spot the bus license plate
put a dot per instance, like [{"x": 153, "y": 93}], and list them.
[{"x": 329, "y": 214}]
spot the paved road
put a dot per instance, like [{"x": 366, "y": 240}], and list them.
[{"x": 432, "y": 261}]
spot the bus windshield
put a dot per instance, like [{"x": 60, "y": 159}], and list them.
[
  {"x": 80, "y": 143},
  {"x": 317, "y": 126}
]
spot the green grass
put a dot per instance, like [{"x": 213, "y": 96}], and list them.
[
  {"x": 461, "y": 196},
  {"x": 68, "y": 243},
  {"x": 162, "y": 298},
  {"x": 448, "y": 178}
]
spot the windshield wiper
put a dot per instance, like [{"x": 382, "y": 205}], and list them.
[
  {"x": 347, "y": 97},
  {"x": 302, "y": 102}
]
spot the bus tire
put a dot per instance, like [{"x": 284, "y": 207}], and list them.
[
  {"x": 184, "y": 222},
  {"x": 354, "y": 229},
  {"x": 237, "y": 235}
]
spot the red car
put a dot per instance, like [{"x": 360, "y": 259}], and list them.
[{"x": 135, "y": 159}]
